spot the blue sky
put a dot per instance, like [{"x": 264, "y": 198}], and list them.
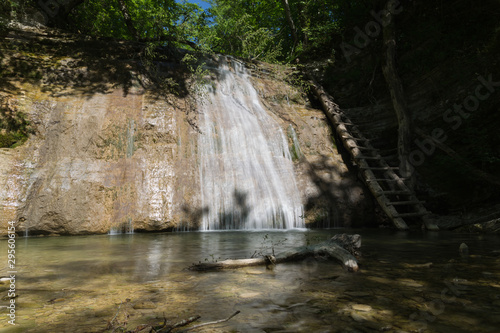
[{"x": 201, "y": 3}]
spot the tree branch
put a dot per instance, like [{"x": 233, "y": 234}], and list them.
[
  {"x": 289, "y": 18},
  {"x": 128, "y": 19}
]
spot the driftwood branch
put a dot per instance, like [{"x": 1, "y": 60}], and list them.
[
  {"x": 115, "y": 325},
  {"x": 211, "y": 322},
  {"x": 168, "y": 328},
  {"x": 341, "y": 247}
]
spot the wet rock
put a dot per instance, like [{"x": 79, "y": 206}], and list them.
[
  {"x": 384, "y": 300},
  {"x": 417, "y": 299},
  {"x": 426, "y": 265},
  {"x": 357, "y": 294},
  {"x": 144, "y": 305},
  {"x": 411, "y": 283},
  {"x": 378, "y": 327},
  {"x": 357, "y": 317},
  {"x": 463, "y": 250},
  {"x": 249, "y": 295},
  {"x": 56, "y": 300}
]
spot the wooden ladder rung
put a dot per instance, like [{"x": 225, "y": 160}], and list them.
[
  {"x": 380, "y": 168},
  {"x": 403, "y": 203},
  {"x": 382, "y": 180},
  {"x": 364, "y": 148},
  {"x": 411, "y": 214},
  {"x": 357, "y": 139},
  {"x": 368, "y": 157},
  {"x": 396, "y": 192}
]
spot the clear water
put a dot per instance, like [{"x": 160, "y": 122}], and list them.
[
  {"x": 246, "y": 173},
  {"x": 78, "y": 284}
]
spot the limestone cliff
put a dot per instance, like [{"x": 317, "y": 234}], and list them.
[{"x": 107, "y": 154}]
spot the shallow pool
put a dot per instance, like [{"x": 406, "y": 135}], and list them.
[{"x": 81, "y": 284}]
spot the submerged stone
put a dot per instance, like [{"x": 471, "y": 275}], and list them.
[
  {"x": 144, "y": 305},
  {"x": 463, "y": 250}
]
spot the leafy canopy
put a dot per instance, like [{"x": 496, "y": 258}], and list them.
[
  {"x": 269, "y": 30},
  {"x": 154, "y": 20},
  {"x": 246, "y": 28}
]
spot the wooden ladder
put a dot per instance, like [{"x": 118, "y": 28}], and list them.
[{"x": 394, "y": 197}]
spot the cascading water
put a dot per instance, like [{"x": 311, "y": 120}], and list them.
[{"x": 247, "y": 176}]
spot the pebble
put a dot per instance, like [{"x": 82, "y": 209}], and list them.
[
  {"x": 357, "y": 317},
  {"x": 362, "y": 307}
]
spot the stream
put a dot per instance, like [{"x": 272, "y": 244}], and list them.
[{"x": 80, "y": 284}]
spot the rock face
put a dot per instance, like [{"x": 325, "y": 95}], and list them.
[
  {"x": 98, "y": 163},
  {"x": 126, "y": 159}
]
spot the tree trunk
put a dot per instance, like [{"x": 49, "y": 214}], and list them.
[
  {"x": 340, "y": 247},
  {"x": 57, "y": 12},
  {"x": 128, "y": 19},
  {"x": 302, "y": 23},
  {"x": 398, "y": 97},
  {"x": 289, "y": 18}
]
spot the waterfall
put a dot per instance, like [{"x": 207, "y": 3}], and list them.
[
  {"x": 123, "y": 228},
  {"x": 246, "y": 171}
]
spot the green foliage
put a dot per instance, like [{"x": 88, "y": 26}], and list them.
[
  {"x": 259, "y": 29},
  {"x": 198, "y": 74},
  {"x": 149, "y": 60},
  {"x": 10, "y": 9},
  {"x": 14, "y": 127},
  {"x": 164, "y": 21},
  {"x": 237, "y": 29},
  {"x": 260, "y": 44},
  {"x": 245, "y": 28}
]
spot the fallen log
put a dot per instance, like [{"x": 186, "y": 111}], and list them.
[{"x": 340, "y": 247}]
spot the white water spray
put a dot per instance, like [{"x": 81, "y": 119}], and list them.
[{"x": 246, "y": 172}]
